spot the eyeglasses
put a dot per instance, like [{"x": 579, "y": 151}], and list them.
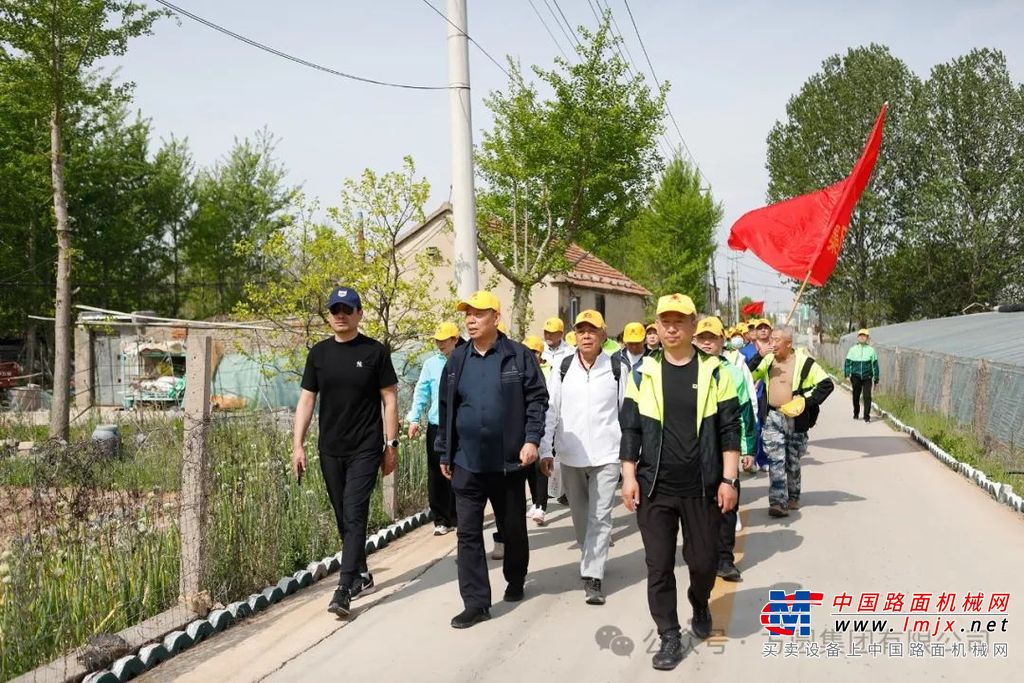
[{"x": 342, "y": 309}]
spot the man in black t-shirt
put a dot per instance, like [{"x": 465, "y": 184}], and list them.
[
  {"x": 353, "y": 375},
  {"x": 680, "y": 462}
]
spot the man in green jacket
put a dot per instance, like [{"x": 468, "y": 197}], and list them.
[
  {"x": 710, "y": 339},
  {"x": 861, "y": 368}
]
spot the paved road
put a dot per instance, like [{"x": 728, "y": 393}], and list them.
[{"x": 879, "y": 515}]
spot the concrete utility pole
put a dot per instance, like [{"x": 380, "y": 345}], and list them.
[{"x": 463, "y": 197}]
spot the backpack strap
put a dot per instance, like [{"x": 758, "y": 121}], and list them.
[
  {"x": 804, "y": 372},
  {"x": 566, "y": 364}
]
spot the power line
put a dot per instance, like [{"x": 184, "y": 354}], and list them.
[
  {"x": 571, "y": 38},
  {"x": 671, "y": 116},
  {"x": 548, "y": 29},
  {"x": 293, "y": 58},
  {"x": 576, "y": 37},
  {"x": 468, "y": 37}
]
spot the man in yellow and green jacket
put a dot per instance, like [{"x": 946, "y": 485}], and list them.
[
  {"x": 680, "y": 453},
  {"x": 795, "y": 387}
]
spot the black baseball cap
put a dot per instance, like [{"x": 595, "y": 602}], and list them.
[{"x": 345, "y": 295}]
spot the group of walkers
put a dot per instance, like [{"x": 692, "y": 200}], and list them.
[{"x": 663, "y": 422}]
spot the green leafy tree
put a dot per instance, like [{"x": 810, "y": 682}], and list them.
[
  {"x": 679, "y": 214},
  {"x": 964, "y": 243},
  {"x": 359, "y": 249},
  {"x": 56, "y": 44},
  {"x": 575, "y": 167},
  {"x": 243, "y": 199},
  {"x": 826, "y": 126}
]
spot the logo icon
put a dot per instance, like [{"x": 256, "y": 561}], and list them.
[
  {"x": 787, "y": 615},
  {"x": 359, "y": 363},
  {"x": 342, "y": 292},
  {"x": 611, "y": 638}
]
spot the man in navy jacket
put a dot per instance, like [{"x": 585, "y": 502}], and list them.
[{"x": 491, "y": 410}]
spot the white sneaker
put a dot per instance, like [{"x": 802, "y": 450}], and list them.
[
  {"x": 499, "y": 551},
  {"x": 739, "y": 524},
  {"x": 763, "y": 468},
  {"x": 441, "y": 530},
  {"x": 531, "y": 513},
  {"x": 538, "y": 516}
]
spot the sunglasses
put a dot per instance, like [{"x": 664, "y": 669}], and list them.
[{"x": 337, "y": 309}]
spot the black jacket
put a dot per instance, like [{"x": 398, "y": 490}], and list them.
[{"x": 524, "y": 401}]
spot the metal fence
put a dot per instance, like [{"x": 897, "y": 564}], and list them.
[{"x": 981, "y": 395}]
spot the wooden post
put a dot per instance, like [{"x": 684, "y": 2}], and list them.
[
  {"x": 195, "y": 474},
  {"x": 84, "y": 373},
  {"x": 919, "y": 384},
  {"x": 946, "y": 399},
  {"x": 981, "y": 401}
]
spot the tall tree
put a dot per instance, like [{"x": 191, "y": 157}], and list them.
[
  {"x": 244, "y": 198},
  {"x": 57, "y": 43},
  {"x": 575, "y": 167},
  {"x": 965, "y": 242},
  {"x": 679, "y": 214},
  {"x": 823, "y": 134}
]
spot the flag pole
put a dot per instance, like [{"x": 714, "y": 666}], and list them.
[{"x": 797, "y": 300}]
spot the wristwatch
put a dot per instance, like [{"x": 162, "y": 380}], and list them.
[
  {"x": 735, "y": 483},
  {"x": 392, "y": 444}
]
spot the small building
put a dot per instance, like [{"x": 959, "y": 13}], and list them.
[{"x": 590, "y": 283}]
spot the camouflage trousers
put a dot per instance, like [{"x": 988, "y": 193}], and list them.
[{"x": 784, "y": 448}]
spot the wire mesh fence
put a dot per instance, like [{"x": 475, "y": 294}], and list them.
[
  {"x": 975, "y": 394},
  {"x": 90, "y": 539}
]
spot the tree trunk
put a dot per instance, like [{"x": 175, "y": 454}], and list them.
[
  {"x": 59, "y": 411},
  {"x": 520, "y": 309}
]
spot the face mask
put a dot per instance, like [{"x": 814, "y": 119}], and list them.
[{"x": 737, "y": 342}]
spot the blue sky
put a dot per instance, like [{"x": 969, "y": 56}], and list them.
[{"x": 732, "y": 67}]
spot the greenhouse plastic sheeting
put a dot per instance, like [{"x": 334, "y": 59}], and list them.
[{"x": 959, "y": 346}]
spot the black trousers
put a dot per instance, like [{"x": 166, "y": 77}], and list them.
[
  {"x": 727, "y": 535},
  {"x": 350, "y": 481},
  {"x": 538, "y": 486},
  {"x": 439, "y": 489},
  {"x": 861, "y": 385},
  {"x": 659, "y": 518},
  {"x": 507, "y": 495}
]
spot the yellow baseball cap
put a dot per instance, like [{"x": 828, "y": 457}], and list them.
[
  {"x": 634, "y": 333},
  {"x": 864, "y": 331},
  {"x": 482, "y": 300},
  {"x": 676, "y": 303},
  {"x": 763, "y": 321},
  {"x": 570, "y": 338},
  {"x": 534, "y": 343},
  {"x": 554, "y": 325},
  {"x": 590, "y": 316},
  {"x": 651, "y": 326},
  {"x": 711, "y": 324},
  {"x": 446, "y": 330}
]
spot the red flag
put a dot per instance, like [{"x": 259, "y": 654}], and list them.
[
  {"x": 753, "y": 308},
  {"x": 804, "y": 234}
]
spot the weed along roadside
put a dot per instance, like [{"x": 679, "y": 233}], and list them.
[{"x": 90, "y": 543}]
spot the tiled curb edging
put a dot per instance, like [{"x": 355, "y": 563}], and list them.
[
  {"x": 1001, "y": 492},
  {"x": 216, "y": 621}
]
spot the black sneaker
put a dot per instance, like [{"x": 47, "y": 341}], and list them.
[
  {"x": 701, "y": 623},
  {"x": 670, "y": 653},
  {"x": 867, "y": 418},
  {"x": 470, "y": 617},
  {"x": 363, "y": 585},
  {"x": 728, "y": 571},
  {"x": 514, "y": 592},
  {"x": 341, "y": 602},
  {"x": 563, "y": 500},
  {"x": 856, "y": 416},
  {"x": 592, "y": 588}
]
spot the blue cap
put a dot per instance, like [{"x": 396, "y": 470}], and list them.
[{"x": 344, "y": 295}]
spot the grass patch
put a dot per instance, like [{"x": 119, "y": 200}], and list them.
[
  {"x": 999, "y": 463},
  {"x": 90, "y": 544}
]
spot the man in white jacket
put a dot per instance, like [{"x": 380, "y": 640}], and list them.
[{"x": 582, "y": 426}]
